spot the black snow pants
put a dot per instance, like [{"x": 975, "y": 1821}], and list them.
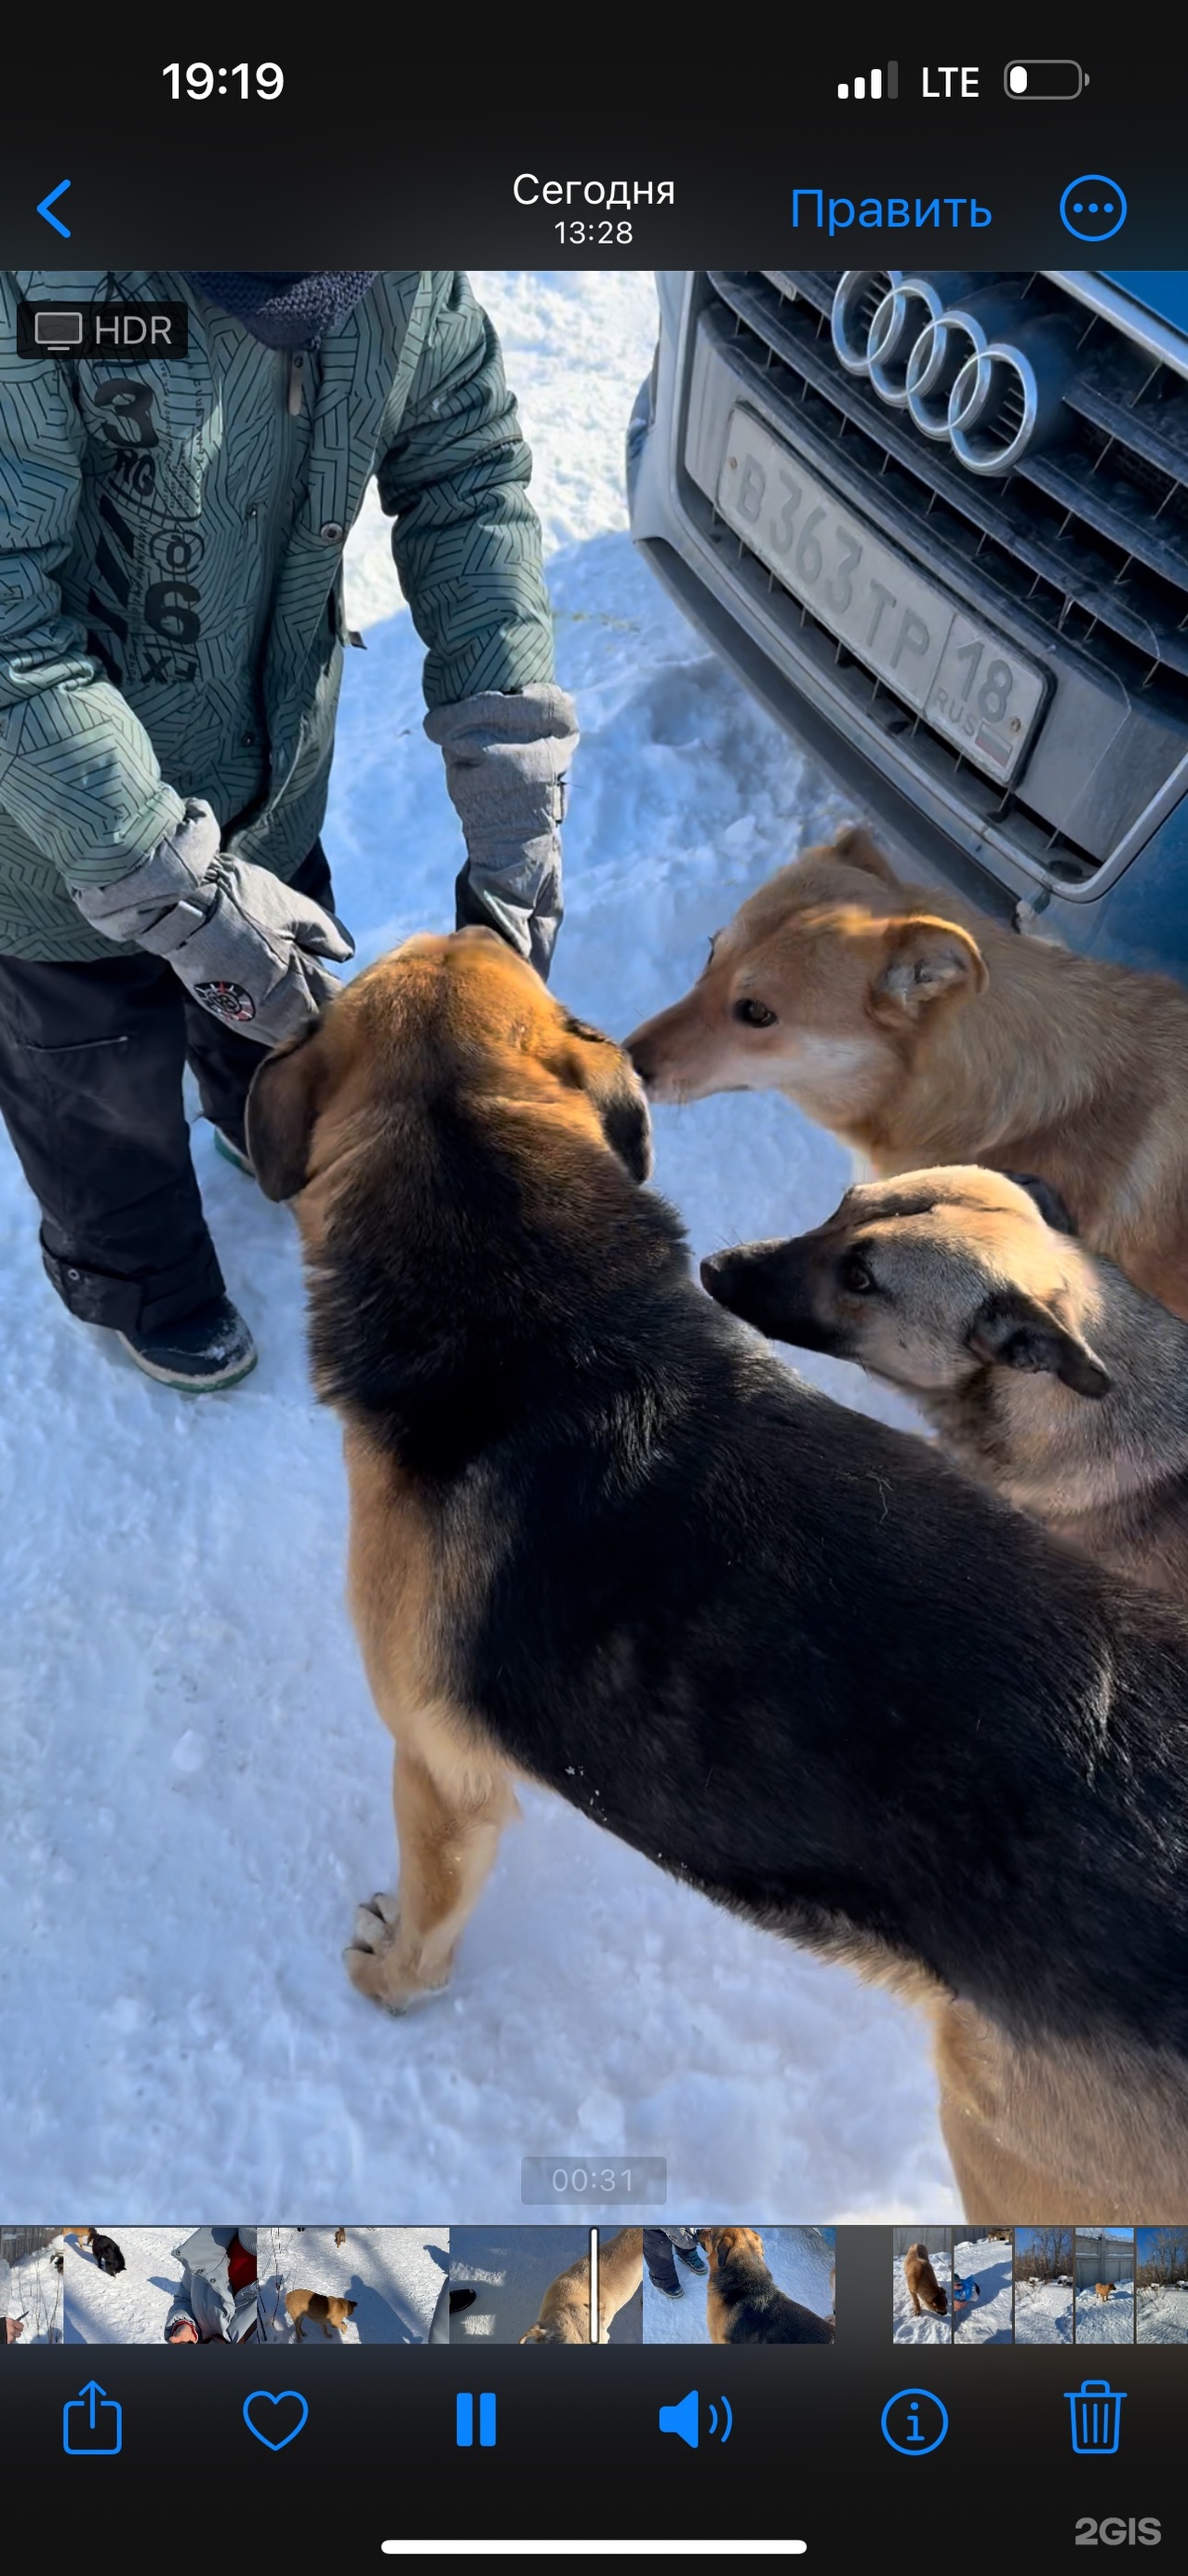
[
  {"x": 91, "y": 1064},
  {"x": 661, "y": 2245}
]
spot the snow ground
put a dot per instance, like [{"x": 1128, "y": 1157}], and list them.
[
  {"x": 1043, "y": 2312},
  {"x": 989, "y": 2263},
  {"x": 511, "y": 2269},
  {"x": 132, "y": 2306},
  {"x": 1163, "y": 2315},
  {"x": 906, "y": 2327},
  {"x": 33, "y": 2297},
  {"x": 800, "y": 2260},
  {"x": 1106, "y": 2320},
  {"x": 394, "y": 2274},
  {"x": 194, "y": 1784}
]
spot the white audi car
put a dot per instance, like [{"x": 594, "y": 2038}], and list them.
[{"x": 939, "y": 524}]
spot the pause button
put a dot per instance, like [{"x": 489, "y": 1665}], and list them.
[{"x": 464, "y": 2420}]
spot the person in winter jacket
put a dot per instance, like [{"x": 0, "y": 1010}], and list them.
[
  {"x": 217, "y": 2301},
  {"x": 171, "y": 643}
]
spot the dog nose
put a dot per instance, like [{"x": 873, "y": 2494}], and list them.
[
  {"x": 717, "y": 1272},
  {"x": 639, "y": 1051}
]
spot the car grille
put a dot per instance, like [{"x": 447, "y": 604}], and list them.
[{"x": 1085, "y": 549}]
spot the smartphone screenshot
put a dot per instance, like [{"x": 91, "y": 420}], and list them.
[{"x": 594, "y": 1341}]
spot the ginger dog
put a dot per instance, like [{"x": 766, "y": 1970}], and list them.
[
  {"x": 329, "y": 2313},
  {"x": 1045, "y": 1373},
  {"x": 924, "y": 2290},
  {"x": 922, "y": 1031},
  {"x": 565, "y": 2308}
]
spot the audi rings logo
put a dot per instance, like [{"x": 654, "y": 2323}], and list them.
[{"x": 962, "y": 358}]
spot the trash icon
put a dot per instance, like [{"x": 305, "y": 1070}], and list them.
[{"x": 1096, "y": 2415}]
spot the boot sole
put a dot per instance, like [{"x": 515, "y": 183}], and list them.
[{"x": 189, "y": 1385}]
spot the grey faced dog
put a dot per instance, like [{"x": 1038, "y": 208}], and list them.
[{"x": 1044, "y": 1371}]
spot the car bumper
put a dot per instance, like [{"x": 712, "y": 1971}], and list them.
[{"x": 1140, "y": 918}]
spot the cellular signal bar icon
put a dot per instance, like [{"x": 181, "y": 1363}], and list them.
[{"x": 870, "y": 84}]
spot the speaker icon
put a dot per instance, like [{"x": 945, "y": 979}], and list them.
[{"x": 685, "y": 2419}]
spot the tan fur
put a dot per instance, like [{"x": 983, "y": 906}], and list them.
[
  {"x": 451, "y": 1793},
  {"x": 565, "y": 2308},
  {"x": 325, "y": 1112},
  {"x": 923, "y": 1031},
  {"x": 1103, "y": 2289},
  {"x": 329, "y": 2313},
  {"x": 340, "y": 2236},
  {"x": 1059, "y": 2135},
  {"x": 1106, "y": 1470},
  {"x": 924, "y": 2290}
]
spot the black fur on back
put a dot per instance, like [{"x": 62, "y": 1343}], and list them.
[
  {"x": 762, "y": 2314},
  {"x": 785, "y": 1652}
]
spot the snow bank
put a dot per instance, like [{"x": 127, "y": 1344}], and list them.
[
  {"x": 1043, "y": 2312},
  {"x": 987, "y": 2319},
  {"x": 1163, "y": 2315},
  {"x": 1106, "y": 2320}
]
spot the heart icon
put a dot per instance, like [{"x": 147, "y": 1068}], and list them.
[{"x": 262, "y": 2397}]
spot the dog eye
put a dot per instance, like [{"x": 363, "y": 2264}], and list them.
[
  {"x": 754, "y": 1015},
  {"x": 857, "y": 1276}
]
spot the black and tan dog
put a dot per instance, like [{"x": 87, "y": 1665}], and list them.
[
  {"x": 1045, "y": 1373},
  {"x": 104, "y": 2249},
  {"x": 602, "y": 1540},
  {"x": 743, "y": 2303}
]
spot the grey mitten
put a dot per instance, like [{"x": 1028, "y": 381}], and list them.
[
  {"x": 507, "y": 768},
  {"x": 243, "y": 943}
]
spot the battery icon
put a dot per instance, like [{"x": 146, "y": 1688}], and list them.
[
  {"x": 1049, "y": 79},
  {"x": 57, "y": 330}
]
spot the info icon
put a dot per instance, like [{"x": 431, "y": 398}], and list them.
[{"x": 914, "y": 2422}]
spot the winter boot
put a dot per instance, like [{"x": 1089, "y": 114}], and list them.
[{"x": 208, "y": 1350}]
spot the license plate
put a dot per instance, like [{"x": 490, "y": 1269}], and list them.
[{"x": 959, "y": 676}]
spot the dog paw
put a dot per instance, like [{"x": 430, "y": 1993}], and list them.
[
  {"x": 377, "y": 1923},
  {"x": 382, "y": 1966}
]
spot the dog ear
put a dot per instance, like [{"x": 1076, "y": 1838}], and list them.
[
  {"x": 923, "y": 957},
  {"x": 856, "y": 846},
  {"x": 282, "y": 1106},
  {"x": 611, "y": 1083},
  {"x": 1015, "y": 1331},
  {"x": 1049, "y": 1202}
]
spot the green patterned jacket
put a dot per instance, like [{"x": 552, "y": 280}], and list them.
[{"x": 171, "y": 539}]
